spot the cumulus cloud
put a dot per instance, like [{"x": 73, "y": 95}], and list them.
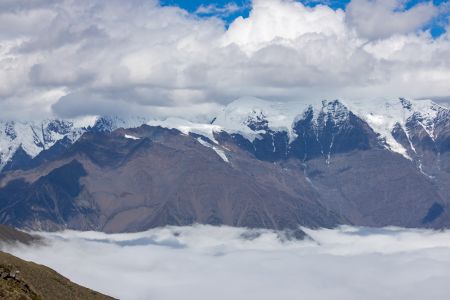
[
  {"x": 383, "y": 18},
  {"x": 69, "y": 58},
  {"x": 204, "y": 262}
]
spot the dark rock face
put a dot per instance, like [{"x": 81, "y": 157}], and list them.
[
  {"x": 59, "y": 126},
  {"x": 103, "y": 125},
  {"x": 50, "y": 198},
  {"x": 271, "y": 146},
  {"x": 435, "y": 211},
  {"x": 334, "y": 130},
  {"x": 331, "y": 136},
  {"x": 442, "y": 131},
  {"x": 54, "y": 152},
  {"x": 418, "y": 134},
  {"x": 10, "y": 131},
  {"x": 56, "y": 126},
  {"x": 20, "y": 161},
  {"x": 258, "y": 122}
]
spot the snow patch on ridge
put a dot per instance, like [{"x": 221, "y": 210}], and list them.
[
  {"x": 187, "y": 127},
  {"x": 131, "y": 137},
  {"x": 219, "y": 152}
]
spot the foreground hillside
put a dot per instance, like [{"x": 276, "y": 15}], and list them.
[
  {"x": 26, "y": 280},
  {"x": 22, "y": 280}
]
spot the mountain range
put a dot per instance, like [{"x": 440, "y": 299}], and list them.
[{"x": 256, "y": 164}]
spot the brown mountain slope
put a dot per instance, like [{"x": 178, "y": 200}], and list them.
[
  {"x": 24, "y": 280},
  {"x": 115, "y": 184}
]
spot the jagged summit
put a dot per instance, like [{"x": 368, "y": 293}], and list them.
[
  {"x": 383, "y": 117},
  {"x": 245, "y": 115},
  {"x": 31, "y": 138},
  {"x": 250, "y": 117}
]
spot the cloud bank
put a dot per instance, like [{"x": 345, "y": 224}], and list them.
[
  {"x": 81, "y": 57},
  {"x": 204, "y": 262}
]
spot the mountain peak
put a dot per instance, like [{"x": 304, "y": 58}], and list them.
[{"x": 248, "y": 116}]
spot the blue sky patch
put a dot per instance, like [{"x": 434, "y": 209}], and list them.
[{"x": 230, "y": 10}]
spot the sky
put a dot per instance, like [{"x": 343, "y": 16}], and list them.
[
  {"x": 205, "y": 262},
  {"x": 230, "y": 10},
  {"x": 72, "y": 58}
]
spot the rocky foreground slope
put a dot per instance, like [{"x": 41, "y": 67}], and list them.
[
  {"x": 257, "y": 164},
  {"x": 22, "y": 280}
]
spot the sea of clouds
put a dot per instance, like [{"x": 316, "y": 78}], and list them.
[{"x": 205, "y": 262}]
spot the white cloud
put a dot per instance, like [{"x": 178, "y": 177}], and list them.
[
  {"x": 283, "y": 22},
  {"x": 204, "y": 262},
  {"x": 383, "y": 18},
  {"x": 135, "y": 56},
  {"x": 214, "y": 9}
]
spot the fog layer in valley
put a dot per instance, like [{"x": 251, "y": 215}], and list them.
[{"x": 204, "y": 262}]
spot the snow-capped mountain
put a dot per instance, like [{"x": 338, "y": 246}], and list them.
[
  {"x": 396, "y": 122},
  {"x": 251, "y": 117},
  {"x": 28, "y": 139},
  {"x": 256, "y": 164},
  {"x": 34, "y": 137}
]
